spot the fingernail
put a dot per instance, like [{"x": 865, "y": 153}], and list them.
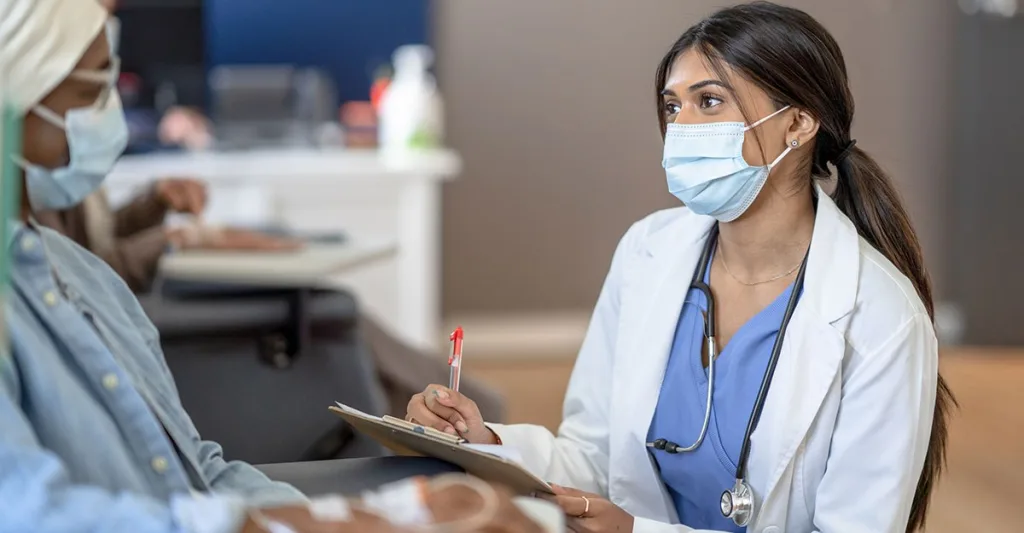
[
  {"x": 441, "y": 394},
  {"x": 461, "y": 426},
  {"x": 450, "y": 430}
]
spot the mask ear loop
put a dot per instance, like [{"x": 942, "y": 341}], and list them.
[
  {"x": 50, "y": 116},
  {"x": 762, "y": 121},
  {"x": 765, "y": 119},
  {"x": 107, "y": 78},
  {"x": 771, "y": 165},
  {"x": 103, "y": 78}
]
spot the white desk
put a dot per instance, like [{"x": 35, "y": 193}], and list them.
[
  {"x": 367, "y": 194},
  {"x": 309, "y": 267}
]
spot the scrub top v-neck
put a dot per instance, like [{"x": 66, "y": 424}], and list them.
[{"x": 695, "y": 480}]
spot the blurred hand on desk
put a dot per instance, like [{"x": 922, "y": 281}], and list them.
[
  {"x": 197, "y": 237},
  {"x": 189, "y": 196},
  {"x": 181, "y": 195}
]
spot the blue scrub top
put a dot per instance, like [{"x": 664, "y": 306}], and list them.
[{"x": 696, "y": 479}]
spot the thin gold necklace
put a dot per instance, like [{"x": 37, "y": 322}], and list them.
[{"x": 752, "y": 283}]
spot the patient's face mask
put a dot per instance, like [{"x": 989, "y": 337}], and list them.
[
  {"x": 705, "y": 168},
  {"x": 96, "y": 136}
]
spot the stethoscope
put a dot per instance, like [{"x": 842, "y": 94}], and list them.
[{"x": 737, "y": 503}]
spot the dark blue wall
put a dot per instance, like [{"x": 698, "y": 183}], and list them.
[{"x": 348, "y": 38}]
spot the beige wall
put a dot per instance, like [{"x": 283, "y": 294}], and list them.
[{"x": 551, "y": 105}]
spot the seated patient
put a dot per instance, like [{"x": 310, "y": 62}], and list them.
[{"x": 93, "y": 437}]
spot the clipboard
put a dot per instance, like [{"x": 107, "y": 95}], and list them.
[{"x": 405, "y": 441}]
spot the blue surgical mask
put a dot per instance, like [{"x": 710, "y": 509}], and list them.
[
  {"x": 96, "y": 136},
  {"x": 705, "y": 167}
]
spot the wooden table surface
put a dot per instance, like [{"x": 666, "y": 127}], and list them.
[{"x": 985, "y": 480}]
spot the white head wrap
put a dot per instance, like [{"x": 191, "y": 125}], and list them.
[{"x": 41, "y": 41}]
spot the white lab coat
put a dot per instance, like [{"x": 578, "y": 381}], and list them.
[{"x": 842, "y": 439}]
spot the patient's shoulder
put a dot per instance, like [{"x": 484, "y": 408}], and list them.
[
  {"x": 91, "y": 277},
  {"x": 75, "y": 262}
]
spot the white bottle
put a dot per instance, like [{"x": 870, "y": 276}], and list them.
[{"x": 411, "y": 108}]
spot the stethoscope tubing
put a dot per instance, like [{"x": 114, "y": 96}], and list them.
[{"x": 710, "y": 331}]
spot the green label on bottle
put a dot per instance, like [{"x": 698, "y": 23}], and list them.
[{"x": 422, "y": 139}]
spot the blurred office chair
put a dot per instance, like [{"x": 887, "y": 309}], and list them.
[{"x": 257, "y": 369}]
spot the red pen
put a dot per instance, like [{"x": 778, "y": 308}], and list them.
[{"x": 455, "y": 359}]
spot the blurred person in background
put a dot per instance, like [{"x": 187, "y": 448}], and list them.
[
  {"x": 93, "y": 437},
  {"x": 754, "y": 104}
]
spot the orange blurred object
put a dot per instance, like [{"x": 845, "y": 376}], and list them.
[{"x": 377, "y": 89}]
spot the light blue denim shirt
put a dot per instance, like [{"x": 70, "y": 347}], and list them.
[{"x": 93, "y": 437}]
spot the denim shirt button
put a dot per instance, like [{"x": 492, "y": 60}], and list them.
[
  {"x": 159, "y": 464},
  {"x": 110, "y": 381}
]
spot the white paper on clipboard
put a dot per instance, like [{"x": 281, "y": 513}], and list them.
[{"x": 498, "y": 450}]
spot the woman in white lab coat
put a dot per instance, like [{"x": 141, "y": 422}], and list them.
[{"x": 754, "y": 104}]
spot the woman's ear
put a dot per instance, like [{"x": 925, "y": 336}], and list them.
[{"x": 803, "y": 128}]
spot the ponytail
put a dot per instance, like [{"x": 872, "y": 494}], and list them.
[{"x": 866, "y": 195}]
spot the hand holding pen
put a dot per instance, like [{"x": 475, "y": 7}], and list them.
[{"x": 445, "y": 409}]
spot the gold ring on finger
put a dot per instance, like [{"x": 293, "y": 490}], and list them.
[{"x": 586, "y": 507}]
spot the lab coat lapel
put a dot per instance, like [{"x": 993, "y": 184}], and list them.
[
  {"x": 657, "y": 288},
  {"x": 810, "y": 359},
  {"x": 812, "y": 352}
]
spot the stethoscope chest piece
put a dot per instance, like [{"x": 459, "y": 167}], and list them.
[{"x": 738, "y": 503}]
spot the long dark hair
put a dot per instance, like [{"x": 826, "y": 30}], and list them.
[{"x": 796, "y": 61}]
